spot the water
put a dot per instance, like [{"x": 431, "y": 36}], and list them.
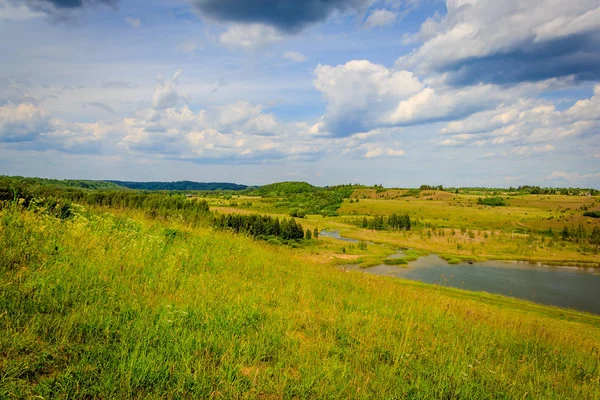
[
  {"x": 576, "y": 288},
  {"x": 336, "y": 235}
]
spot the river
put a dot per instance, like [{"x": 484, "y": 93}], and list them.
[{"x": 568, "y": 287}]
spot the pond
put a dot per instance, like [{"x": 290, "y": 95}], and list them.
[{"x": 576, "y": 288}]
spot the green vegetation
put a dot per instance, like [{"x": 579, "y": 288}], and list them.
[
  {"x": 180, "y": 185},
  {"x": 593, "y": 214},
  {"x": 17, "y": 186},
  {"x": 117, "y": 293},
  {"x": 262, "y": 226},
  {"x": 116, "y": 305},
  {"x": 300, "y": 198},
  {"x": 491, "y": 201},
  {"x": 392, "y": 222},
  {"x": 284, "y": 189}
]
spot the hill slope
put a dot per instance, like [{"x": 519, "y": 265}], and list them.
[
  {"x": 180, "y": 185},
  {"x": 118, "y": 306}
]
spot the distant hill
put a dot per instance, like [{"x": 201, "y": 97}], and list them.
[
  {"x": 285, "y": 188},
  {"x": 179, "y": 185},
  {"x": 21, "y": 181}
]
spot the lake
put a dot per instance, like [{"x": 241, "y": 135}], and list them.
[{"x": 576, "y": 288}]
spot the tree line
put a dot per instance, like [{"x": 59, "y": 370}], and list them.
[
  {"x": 264, "y": 226},
  {"x": 396, "y": 222},
  {"x": 580, "y": 235}
]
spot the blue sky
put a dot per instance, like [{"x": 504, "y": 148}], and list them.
[{"x": 392, "y": 92}]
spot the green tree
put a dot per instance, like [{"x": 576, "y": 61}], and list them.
[
  {"x": 565, "y": 233},
  {"x": 595, "y": 237},
  {"x": 308, "y": 234},
  {"x": 316, "y": 233}
]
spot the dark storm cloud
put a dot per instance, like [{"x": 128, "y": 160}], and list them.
[
  {"x": 285, "y": 15},
  {"x": 63, "y": 10},
  {"x": 68, "y": 3},
  {"x": 577, "y": 56}
]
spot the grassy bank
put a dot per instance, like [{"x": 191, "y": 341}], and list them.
[{"x": 120, "y": 306}]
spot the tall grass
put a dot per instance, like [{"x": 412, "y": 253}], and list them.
[{"x": 119, "y": 306}]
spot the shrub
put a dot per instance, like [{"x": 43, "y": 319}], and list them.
[
  {"x": 491, "y": 201},
  {"x": 593, "y": 214}
]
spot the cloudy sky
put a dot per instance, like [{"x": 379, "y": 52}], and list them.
[{"x": 392, "y": 92}]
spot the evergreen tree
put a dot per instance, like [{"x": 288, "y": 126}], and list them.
[
  {"x": 565, "y": 233},
  {"x": 595, "y": 237}
]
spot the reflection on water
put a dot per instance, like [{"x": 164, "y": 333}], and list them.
[
  {"x": 336, "y": 235},
  {"x": 577, "y": 288}
]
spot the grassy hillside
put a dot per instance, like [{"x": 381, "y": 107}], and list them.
[
  {"x": 114, "y": 305},
  {"x": 37, "y": 184},
  {"x": 284, "y": 188},
  {"x": 180, "y": 185}
]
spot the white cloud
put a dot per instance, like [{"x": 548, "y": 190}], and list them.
[
  {"x": 294, "y": 56},
  {"x": 530, "y": 121},
  {"x": 135, "y": 23},
  {"x": 572, "y": 176},
  {"x": 252, "y": 37},
  {"x": 358, "y": 92},
  {"x": 22, "y": 122},
  {"x": 380, "y": 152},
  {"x": 531, "y": 150},
  {"x": 587, "y": 109},
  {"x": 475, "y": 29},
  {"x": 166, "y": 94},
  {"x": 380, "y": 18},
  {"x": 361, "y": 96}
]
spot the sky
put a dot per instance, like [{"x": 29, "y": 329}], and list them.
[{"x": 393, "y": 92}]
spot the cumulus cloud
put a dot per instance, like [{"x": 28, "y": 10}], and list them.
[
  {"x": 295, "y": 56},
  {"x": 250, "y": 37},
  {"x": 23, "y": 122},
  {"x": 361, "y": 96},
  {"x": 27, "y": 126},
  {"x": 167, "y": 95},
  {"x": 510, "y": 41},
  {"x": 356, "y": 94},
  {"x": 379, "y": 152},
  {"x": 527, "y": 121},
  {"x": 284, "y": 15},
  {"x": 380, "y": 18}
]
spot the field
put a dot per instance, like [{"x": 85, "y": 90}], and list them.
[
  {"x": 453, "y": 226},
  {"x": 113, "y": 305},
  {"x": 126, "y": 294}
]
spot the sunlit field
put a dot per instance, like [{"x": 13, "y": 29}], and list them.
[{"x": 111, "y": 304}]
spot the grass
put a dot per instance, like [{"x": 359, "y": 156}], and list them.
[
  {"x": 516, "y": 231},
  {"x": 112, "y": 305}
]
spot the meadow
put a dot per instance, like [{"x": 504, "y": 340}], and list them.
[
  {"x": 527, "y": 228},
  {"x": 104, "y": 299},
  {"x": 116, "y": 305}
]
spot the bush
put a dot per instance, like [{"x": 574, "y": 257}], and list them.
[
  {"x": 491, "y": 201},
  {"x": 593, "y": 214}
]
